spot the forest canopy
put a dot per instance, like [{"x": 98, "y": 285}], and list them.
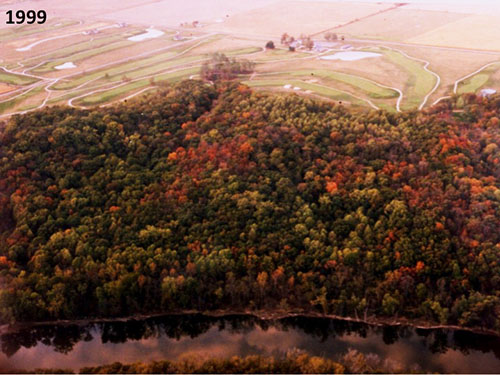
[{"x": 217, "y": 197}]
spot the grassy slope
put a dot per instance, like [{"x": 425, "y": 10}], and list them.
[
  {"x": 420, "y": 81},
  {"x": 16, "y": 79}
]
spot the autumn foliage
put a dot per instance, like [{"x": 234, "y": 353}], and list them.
[{"x": 213, "y": 196}]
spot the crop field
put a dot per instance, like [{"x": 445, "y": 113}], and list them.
[
  {"x": 290, "y": 17},
  {"x": 92, "y": 60},
  {"x": 474, "y": 32},
  {"x": 404, "y": 24}
]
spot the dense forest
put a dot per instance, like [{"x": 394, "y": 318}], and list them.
[{"x": 211, "y": 197}]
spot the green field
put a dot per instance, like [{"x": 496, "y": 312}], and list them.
[
  {"x": 106, "y": 96},
  {"x": 420, "y": 81},
  {"x": 16, "y": 79},
  {"x": 368, "y": 87},
  {"x": 149, "y": 70},
  {"x": 478, "y": 81}
]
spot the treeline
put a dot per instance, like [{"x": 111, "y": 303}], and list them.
[
  {"x": 292, "y": 363},
  {"x": 222, "y": 68},
  {"x": 207, "y": 197}
]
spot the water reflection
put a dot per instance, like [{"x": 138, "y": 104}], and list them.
[{"x": 170, "y": 337}]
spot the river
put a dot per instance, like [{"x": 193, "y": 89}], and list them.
[{"x": 73, "y": 346}]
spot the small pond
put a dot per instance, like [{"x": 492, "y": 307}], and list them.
[
  {"x": 149, "y": 34},
  {"x": 66, "y": 65}
]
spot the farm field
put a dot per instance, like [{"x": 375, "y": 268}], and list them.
[
  {"x": 475, "y": 32},
  {"x": 92, "y": 60},
  {"x": 290, "y": 16},
  {"x": 400, "y": 24}
]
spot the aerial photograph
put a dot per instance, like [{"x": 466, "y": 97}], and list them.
[{"x": 264, "y": 186}]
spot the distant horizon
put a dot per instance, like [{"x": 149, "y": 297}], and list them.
[{"x": 459, "y": 6}]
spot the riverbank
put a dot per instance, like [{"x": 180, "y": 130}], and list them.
[{"x": 262, "y": 315}]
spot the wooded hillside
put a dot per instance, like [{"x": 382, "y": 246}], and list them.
[{"x": 203, "y": 197}]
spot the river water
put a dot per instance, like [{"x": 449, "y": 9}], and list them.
[{"x": 74, "y": 346}]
